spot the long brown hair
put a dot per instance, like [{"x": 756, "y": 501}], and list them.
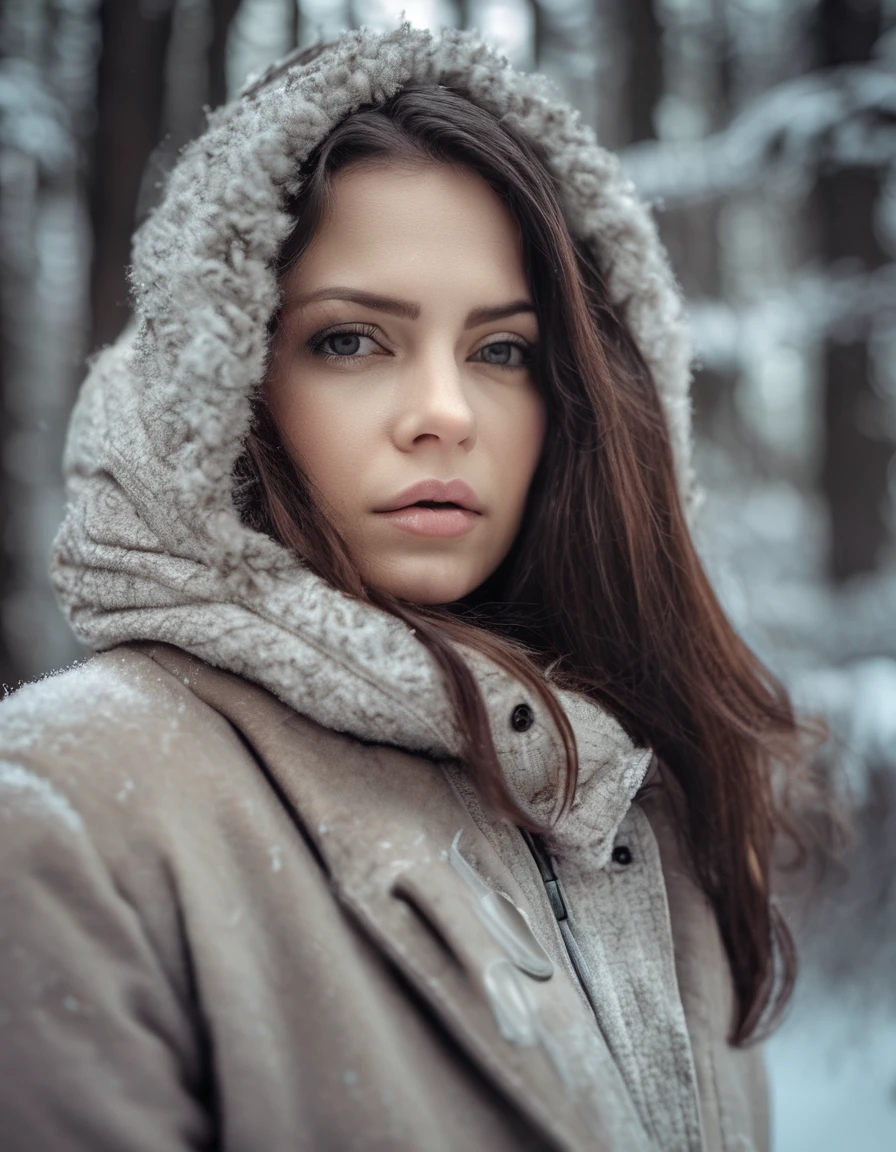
[{"x": 603, "y": 585}]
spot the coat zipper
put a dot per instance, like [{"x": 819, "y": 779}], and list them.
[{"x": 558, "y": 906}]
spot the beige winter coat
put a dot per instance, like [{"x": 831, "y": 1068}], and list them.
[
  {"x": 225, "y": 926},
  {"x": 249, "y": 897}
]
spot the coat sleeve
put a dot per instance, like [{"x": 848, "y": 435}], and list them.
[{"x": 97, "y": 1049}]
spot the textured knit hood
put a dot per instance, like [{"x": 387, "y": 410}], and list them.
[{"x": 152, "y": 546}]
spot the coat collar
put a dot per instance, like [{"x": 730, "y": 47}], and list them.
[{"x": 382, "y": 823}]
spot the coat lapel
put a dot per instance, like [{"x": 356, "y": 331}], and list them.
[{"x": 383, "y": 822}]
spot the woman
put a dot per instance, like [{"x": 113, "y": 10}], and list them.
[{"x": 420, "y": 795}]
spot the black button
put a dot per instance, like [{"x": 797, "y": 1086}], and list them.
[
  {"x": 522, "y": 718},
  {"x": 621, "y": 854}
]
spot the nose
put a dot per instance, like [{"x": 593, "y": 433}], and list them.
[{"x": 435, "y": 408}]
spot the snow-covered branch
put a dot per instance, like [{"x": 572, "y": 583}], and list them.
[
  {"x": 841, "y": 116},
  {"x": 809, "y": 307},
  {"x": 32, "y": 119}
]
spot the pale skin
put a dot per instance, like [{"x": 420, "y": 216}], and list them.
[{"x": 432, "y": 381}]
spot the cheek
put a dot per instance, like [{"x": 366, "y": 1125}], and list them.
[
  {"x": 519, "y": 441},
  {"x": 325, "y": 437}
]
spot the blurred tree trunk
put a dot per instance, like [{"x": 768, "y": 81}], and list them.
[
  {"x": 137, "y": 39},
  {"x": 539, "y": 30},
  {"x": 463, "y": 10},
  {"x": 6, "y": 565},
  {"x": 641, "y": 41},
  {"x": 7, "y": 352},
  {"x": 856, "y": 453},
  {"x": 130, "y": 103},
  {"x": 294, "y": 23},
  {"x": 699, "y": 256},
  {"x": 223, "y": 12},
  {"x": 45, "y": 69}
]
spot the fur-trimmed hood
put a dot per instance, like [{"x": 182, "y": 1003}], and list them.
[{"x": 152, "y": 546}]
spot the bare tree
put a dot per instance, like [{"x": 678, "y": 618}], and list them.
[
  {"x": 640, "y": 41},
  {"x": 294, "y": 22},
  {"x": 130, "y": 103},
  {"x": 141, "y": 93},
  {"x": 6, "y": 662},
  {"x": 223, "y": 12},
  {"x": 856, "y": 451},
  {"x": 540, "y": 30},
  {"x": 463, "y": 13},
  {"x": 41, "y": 106}
]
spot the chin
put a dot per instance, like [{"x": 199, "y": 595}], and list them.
[{"x": 430, "y": 588}]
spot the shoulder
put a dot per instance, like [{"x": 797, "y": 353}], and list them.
[
  {"x": 114, "y": 748},
  {"x": 94, "y": 959},
  {"x": 120, "y": 790},
  {"x": 117, "y": 710},
  {"x": 121, "y": 697}
]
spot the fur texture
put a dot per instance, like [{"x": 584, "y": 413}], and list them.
[{"x": 152, "y": 547}]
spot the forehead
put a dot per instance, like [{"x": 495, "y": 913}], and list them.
[{"x": 428, "y": 227}]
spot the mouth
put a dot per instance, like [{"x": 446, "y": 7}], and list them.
[
  {"x": 436, "y": 496},
  {"x": 455, "y": 514},
  {"x": 436, "y": 504}
]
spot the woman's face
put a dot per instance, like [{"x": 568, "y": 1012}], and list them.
[{"x": 401, "y": 373}]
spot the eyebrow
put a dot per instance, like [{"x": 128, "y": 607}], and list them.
[{"x": 409, "y": 311}]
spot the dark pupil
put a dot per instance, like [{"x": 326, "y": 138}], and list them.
[
  {"x": 497, "y": 353},
  {"x": 345, "y": 343}
]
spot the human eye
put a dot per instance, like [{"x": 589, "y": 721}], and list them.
[
  {"x": 344, "y": 343},
  {"x": 508, "y": 352}
]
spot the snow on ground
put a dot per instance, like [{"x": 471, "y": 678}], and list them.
[{"x": 832, "y": 1073}]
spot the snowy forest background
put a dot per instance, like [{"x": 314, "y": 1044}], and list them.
[{"x": 764, "y": 133}]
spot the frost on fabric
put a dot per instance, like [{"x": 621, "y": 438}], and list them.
[
  {"x": 18, "y": 782},
  {"x": 124, "y": 791},
  {"x": 51, "y": 714}
]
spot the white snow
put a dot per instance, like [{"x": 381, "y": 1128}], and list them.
[
  {"x": 38, "y": 790},
  {"x": 832, "y": 1074},
  {"x": 57, "y": 708},
  {"x": 124, "y": 791}
]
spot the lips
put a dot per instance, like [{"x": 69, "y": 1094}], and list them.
[
  {"x": 427, "y": 493},
  {"x": 433, "y": 509}
]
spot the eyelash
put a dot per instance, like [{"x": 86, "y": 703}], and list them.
[{"x": 316, "y": 343}]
